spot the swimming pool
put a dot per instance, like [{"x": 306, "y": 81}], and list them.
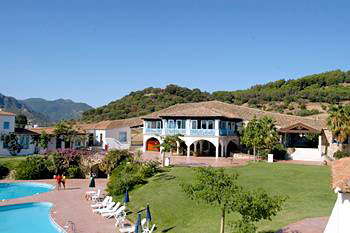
[
  {"x": 22, "y": 189},
  {"x": 27, "y": 217}
]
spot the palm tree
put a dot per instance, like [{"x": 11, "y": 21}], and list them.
[
  {"x": 169, "y": 144},
  {"x": 339, "y": 122},
  {"x": 270, "y": 134}
]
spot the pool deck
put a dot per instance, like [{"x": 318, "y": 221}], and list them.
[{"x": 70, "y": 205}]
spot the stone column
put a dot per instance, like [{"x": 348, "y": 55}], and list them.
[
  {"x": 222, "y": 150},
  {"x": 177, "y": 148},
  {"x": 195, "y": 147},
  {"x": 217, "y": 151},
  {"x": 188, "y": 151}
]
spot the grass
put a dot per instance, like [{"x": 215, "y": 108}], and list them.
[
  {"x": 308, "y": 188},
  {"x": 11, "y": 162}
]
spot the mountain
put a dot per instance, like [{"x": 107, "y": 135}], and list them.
[
  {"x": 11, "y": 104},
  {"x": 56, "y": 110},
  {"x": 142, "y": 102},
  {"x": 305, "y": 96}
]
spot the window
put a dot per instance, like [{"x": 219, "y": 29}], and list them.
[
  {"x": 204, "y": 124},
  {"x": 6, "y": 125},
  {"x": 24, "y": 141},
  {"x": 77, "y": 143},
  {"x": 159, "y": 124},
  {"x": 194, "y": 124},
  {"x": 171, "y": 124},
  {"x": 223, "y": 124},
  {"x": 123, "y": 137},
  {"x": 180, "y": 124},
  {"x": 211, "y": 124}
]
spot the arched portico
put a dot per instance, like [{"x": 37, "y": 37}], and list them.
[
  {"x": 151, "y": 143},
  {"x": 201, "y": 146}
]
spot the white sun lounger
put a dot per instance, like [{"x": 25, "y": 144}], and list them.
[
  {"x": 150, "y": 231},
  {"x": 97, "y": 196},
  {"x": 108, "y": 207},
  {"x": 112, "y": 210},
  {"x": 102, "y": 204},
  {"x": 115, "y": 213},
  {"x": 131, "y": 229}
]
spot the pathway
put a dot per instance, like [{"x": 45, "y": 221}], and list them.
[{"x": 308, "y": 225}]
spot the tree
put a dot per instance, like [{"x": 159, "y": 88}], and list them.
[
  {"x": 252, "y": 135},
  {"x": 21, "y": 121},
  {"x": 169, "y": 144},
  {"x": 339, "y": 122},
  {"x": 113, "y": 159},
  {"x": 219, "y": 189},
  {"x": 269, "y": 133},
  {"x": 44, "y": 139},
  {"x": 10, "y": 142},
  {"x": 67, "y": 130}
]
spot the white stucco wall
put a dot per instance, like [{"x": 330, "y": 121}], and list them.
[
  {"x": 339, "y": 219},
  {"x": 11, "y": 129}
]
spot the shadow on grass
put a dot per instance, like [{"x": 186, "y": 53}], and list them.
[
  {"x": 164, "y": 176},
  {"x": 168, "y": 229}
]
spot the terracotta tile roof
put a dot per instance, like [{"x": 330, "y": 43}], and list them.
[
  {"x": 39, "y": 130},
  {"x": 25, "y": 131},
  {"x": 232, "y": 111},
  {"x": 341, "y": 175},
  {"x": 131, "y": 122},
  {"x": 3, "y": 113}
]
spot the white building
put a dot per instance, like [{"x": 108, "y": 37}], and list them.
[
  {"x": 210, "y": 129},
  {"x": 339, "y": 219},
  {"x": 7, "y": 126}
]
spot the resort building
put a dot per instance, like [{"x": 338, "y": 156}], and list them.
[
  {"x": 211, "y": 129},
  {"x": 7, "y": 126}
]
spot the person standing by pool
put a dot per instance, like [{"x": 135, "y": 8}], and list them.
[
  {"x": 58, "y": 179},
  {"x": 63, "y": 181}
]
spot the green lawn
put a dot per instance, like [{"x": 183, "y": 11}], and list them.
[
  {"x": 308, "y": 188},
  {"x": 11, "y": 162}
]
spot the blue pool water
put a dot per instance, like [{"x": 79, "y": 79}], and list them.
[
  {"x": 16, "y": 190},
  {"x": 31, "y": 217}
]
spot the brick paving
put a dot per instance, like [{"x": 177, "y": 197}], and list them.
[
  {"x": 308, "y": 225},
  {"x": 70, "y": 205}
]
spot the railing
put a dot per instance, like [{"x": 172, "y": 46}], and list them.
[
  {"x": 202, "y": 132},
  {"x": 115, "y": 144},
  {"x": 153, "y": 131},
  {"x": 175, "y": 131},
  {"x": 227, "y": 132}
]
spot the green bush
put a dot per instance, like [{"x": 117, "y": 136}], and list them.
[
  {"x": 341, "y": 154},
  {"x": 128, "y": 175},
  {"x": 4, "y": 171},
  {"x": 75, "y": 172},
  {"x": 33, "y": 168},
  {"x": 279, "y": 152}
]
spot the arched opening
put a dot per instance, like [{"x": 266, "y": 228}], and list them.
[
  {"x": 232, "y": 148},
  {"x": 152, "y": 144},
  {"x": 182, "y": 148},
  {"x": 203, "y": 148}
]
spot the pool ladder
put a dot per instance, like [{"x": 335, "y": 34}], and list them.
[{"x": 70, "y": 227}]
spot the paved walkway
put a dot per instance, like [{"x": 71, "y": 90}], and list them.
[
  {"x": 70, "y": 205},
  {"x": 308, "y": 225},
  {"x": 197, "y": 161}
]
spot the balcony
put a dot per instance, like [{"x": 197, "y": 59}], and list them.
[
  {"x": 227, "y": 132},
  {"x": 202, "y": 132},
  {"x": 153, "y": 131},
  {"x": 175, "y": 131}
]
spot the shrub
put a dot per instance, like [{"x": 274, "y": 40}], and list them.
[
  {"x": 34, "y": 167},
  {"x": 75, "y": 172},
  {"x": 341, "y": 154},
  {"x": 279, "y": 152},
  {"x": 113, "y": 159},
  {"x": 129, "y": 174},
  {"x": 4, "y": 171}
]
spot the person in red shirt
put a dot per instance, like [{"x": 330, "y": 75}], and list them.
[{"x": 58, "y": 179}]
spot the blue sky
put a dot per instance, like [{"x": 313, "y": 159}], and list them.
[{"x": 98, "y": 51}]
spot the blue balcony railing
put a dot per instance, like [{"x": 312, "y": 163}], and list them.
[
  {"x": 227, "y": 132},
  {"x": 153, "y": 131},
  {"x": 175, "y": 131},
  {"x": 202, "y": 132}
]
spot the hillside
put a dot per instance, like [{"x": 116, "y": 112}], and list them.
[
  {"x": 11, "y": 104},
  {"x": 305, "y": 96},
  {"x": 57, "y": 110}
]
